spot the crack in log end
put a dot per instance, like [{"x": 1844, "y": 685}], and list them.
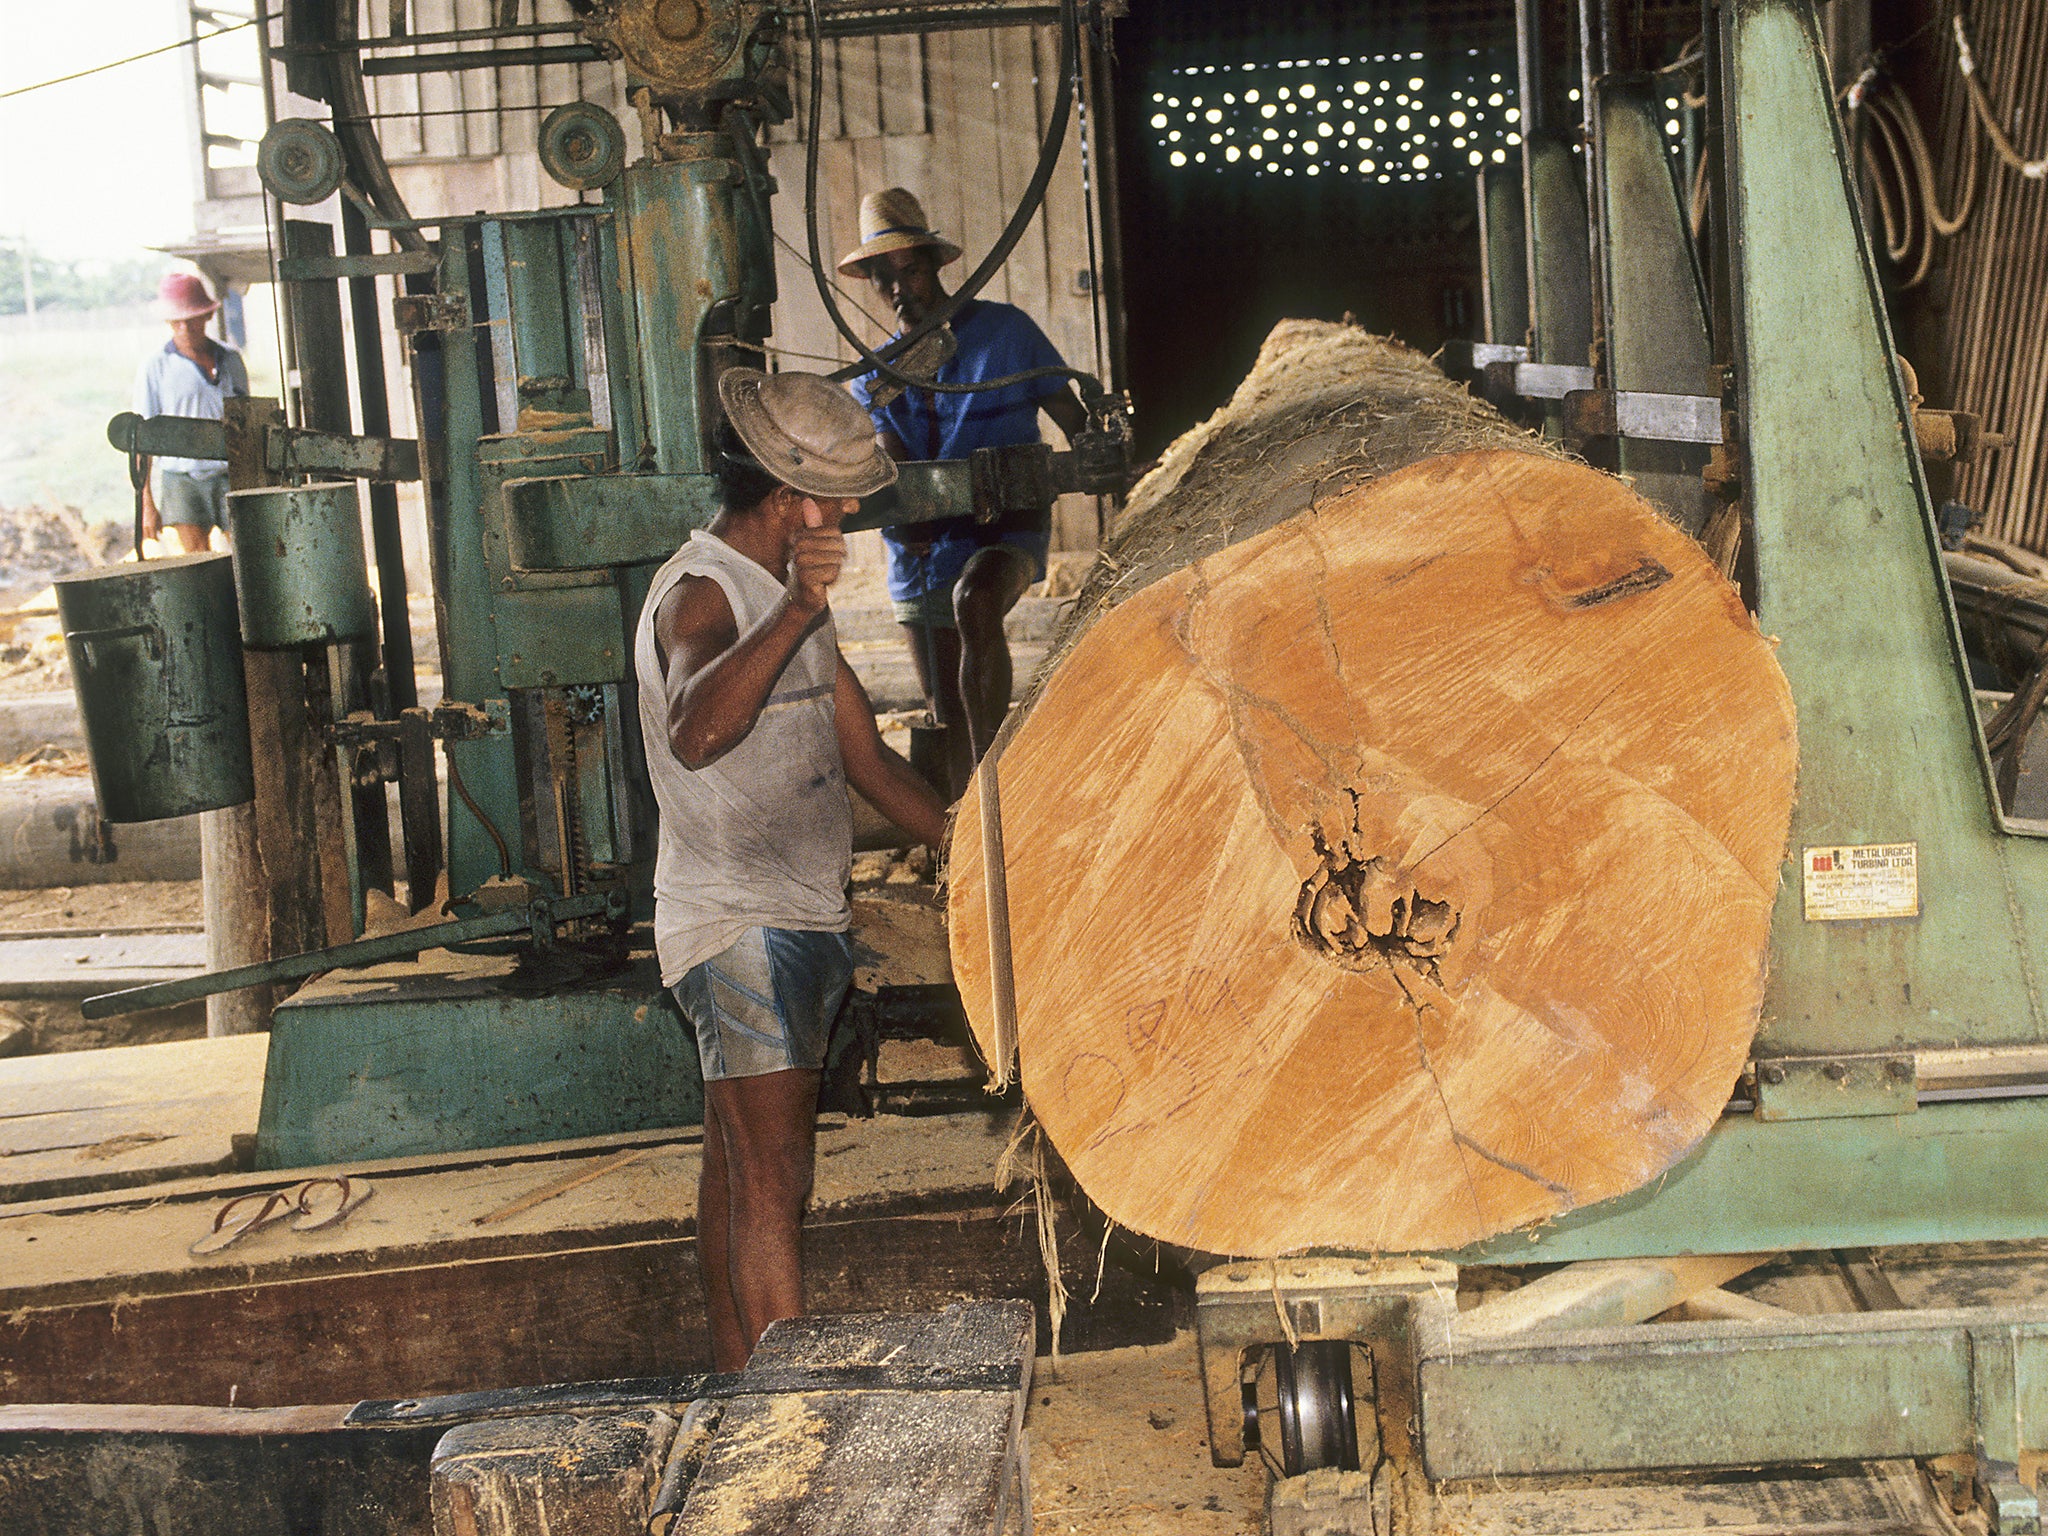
[
  {"x": 1646, "y": 577},
  {"x": 1351, "y": 911}
]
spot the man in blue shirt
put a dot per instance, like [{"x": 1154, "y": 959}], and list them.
[
  {"x": 952, "y": 581},
  {"x": 191, "y": 376}
]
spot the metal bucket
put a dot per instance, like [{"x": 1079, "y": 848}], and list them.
[
  {"x": 300, "y": 574},
  {"x": 157, "y": 665}
]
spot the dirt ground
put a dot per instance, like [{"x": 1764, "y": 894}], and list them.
[
  {"x": 153, "y": 905},
  {"x": 56, "y": 1026},
  {"x": 1120, "y": 1447}
]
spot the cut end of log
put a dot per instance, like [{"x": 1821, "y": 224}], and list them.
[{"x": 1398, "y": 873}]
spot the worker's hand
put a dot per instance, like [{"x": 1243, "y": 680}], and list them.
[
  {"x": 817, "y": 552},
  {"x": 152, "y": 520}
]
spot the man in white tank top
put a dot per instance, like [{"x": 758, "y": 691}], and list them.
[{"x": 755, "y": 726}]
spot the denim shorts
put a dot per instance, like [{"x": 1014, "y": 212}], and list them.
[
  {"x": 201, "y": 500},
  {"x": 767, "y": 1003},
  {"x": 931, "y": 575}
]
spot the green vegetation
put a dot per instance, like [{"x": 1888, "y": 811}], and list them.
[
  {"x": 77, "y": 285},
  {"x": 59, "y": 385}
]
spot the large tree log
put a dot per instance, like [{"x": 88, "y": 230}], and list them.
[{"x": 1393, "y": 835}]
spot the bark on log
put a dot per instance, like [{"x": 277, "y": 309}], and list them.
[{"x": 1393, "y": 834}]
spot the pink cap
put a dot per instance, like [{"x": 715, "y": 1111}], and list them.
[{"x": 182, "y": 296}]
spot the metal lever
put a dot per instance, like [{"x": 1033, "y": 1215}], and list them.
[{"x": 538, "y": 917}]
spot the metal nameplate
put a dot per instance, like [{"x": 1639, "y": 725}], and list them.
[{"x": 1862, "y": 882}]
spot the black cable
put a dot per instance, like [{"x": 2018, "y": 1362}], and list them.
[
  {"x": 133, "y": 58},
  {"x": 483, "y": 820},
  {"x": 1027, "y": 207}
]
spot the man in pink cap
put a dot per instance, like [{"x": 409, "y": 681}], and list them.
[{"x": 191, "y": 376}]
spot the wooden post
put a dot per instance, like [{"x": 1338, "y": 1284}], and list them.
[
  {"x": 259, "y": 864},
  {"x": 231, "y": 878},
  {"x": 237, "y": 916}
]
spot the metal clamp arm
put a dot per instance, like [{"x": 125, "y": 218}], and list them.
[{"x": 538, "y": 918}]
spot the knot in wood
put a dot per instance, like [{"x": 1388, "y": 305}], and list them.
[{"x": 1359, "y": 914}]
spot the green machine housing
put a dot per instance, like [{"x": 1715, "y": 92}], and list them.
[{"x": 564, "y": 368}]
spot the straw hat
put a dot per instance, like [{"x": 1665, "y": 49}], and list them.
[
  {"x": 181, "y": 296},
  {"x": 893, "y": 220},
  {"x": 806, "y": 431}
]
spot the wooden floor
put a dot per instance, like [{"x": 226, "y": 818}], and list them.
[
  {"x": 98, "y": 1120},
  {"x": 453, "y": 1276}
]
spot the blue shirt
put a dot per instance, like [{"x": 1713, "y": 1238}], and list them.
[
  {"x": 170, "y": 384},
  {"x": 994, "y": 340}
]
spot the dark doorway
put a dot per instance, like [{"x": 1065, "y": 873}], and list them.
[{"x": 1237, "y": 212}]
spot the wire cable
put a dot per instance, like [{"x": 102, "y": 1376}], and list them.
[
  {"x": 133, "y": 58},
  {"x": 1900, "y": 165},
  {"x": 1027, "y": 207},
  {"x": 1966, "y": 61}
]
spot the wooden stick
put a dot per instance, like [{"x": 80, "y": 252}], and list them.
[
  {"x": 1002, "y": 981},
  {"x": 548, "y": 1191}
]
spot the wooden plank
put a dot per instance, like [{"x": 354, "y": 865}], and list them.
[
  {"x": 829, "y": 121},
  {"x": 860, "y": 87},
  {"x": 87, "y": 963},
  {"x": 1067, "y": 317},
  {"x": 906, "y": 110},
  {"x": 84, "y": 1471},
  {"x": 799, "y": 321},
  {"x": 566, "y": 1313},
  {"x": 969, "y": 127},
  {"x": 1018, "y": 130},
  {"x": 101, "y": 1302},
  {"x": 900, "y": 1462},
  {"x": 839, "y": 195},
  {"x": 98, "y": 1120},
  {"x": 129, "y": 1075}
]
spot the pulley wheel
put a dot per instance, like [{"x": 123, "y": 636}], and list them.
[
  {"x": 300, "y": 161},
  {"x": 582, "y": 145},
  {"x": 1317, "y": 1428}
]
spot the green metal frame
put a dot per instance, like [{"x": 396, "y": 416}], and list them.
[
  {"x": 451, "y": 1053},
  {"x": 1848, "y": 574}
]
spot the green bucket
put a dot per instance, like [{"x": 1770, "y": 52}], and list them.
[
  {"x": 300, "y": 573},
  {"x": 157, "y": 664}
]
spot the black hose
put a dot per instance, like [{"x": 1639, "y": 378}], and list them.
[{"x": 1027, "y": 208}]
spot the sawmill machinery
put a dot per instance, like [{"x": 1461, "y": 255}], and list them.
[
  {"x": 563, "y": 364},
  {"x": 1897, "y": 1092}
]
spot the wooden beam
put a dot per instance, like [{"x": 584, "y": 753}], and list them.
[
  {"x": 74, "y": 1470},
  {"x": 1604, "y": 1293},
  {"x": 411, "y": 1296}
]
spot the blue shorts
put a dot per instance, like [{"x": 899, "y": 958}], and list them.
[
  {"x": 767, "y": 1003},
  {"x": 200, "y": 500},
  {"x": 921, "y": 580}
]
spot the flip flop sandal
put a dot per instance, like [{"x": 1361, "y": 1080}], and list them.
[
  {"x": 318, "y": 1215},
  {"x": 269, "y": 1208}
]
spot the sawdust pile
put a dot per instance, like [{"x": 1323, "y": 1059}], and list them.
[{"x": 39, "y": 544}]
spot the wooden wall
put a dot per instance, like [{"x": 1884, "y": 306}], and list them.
[{"x": 957, "y": 117}]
